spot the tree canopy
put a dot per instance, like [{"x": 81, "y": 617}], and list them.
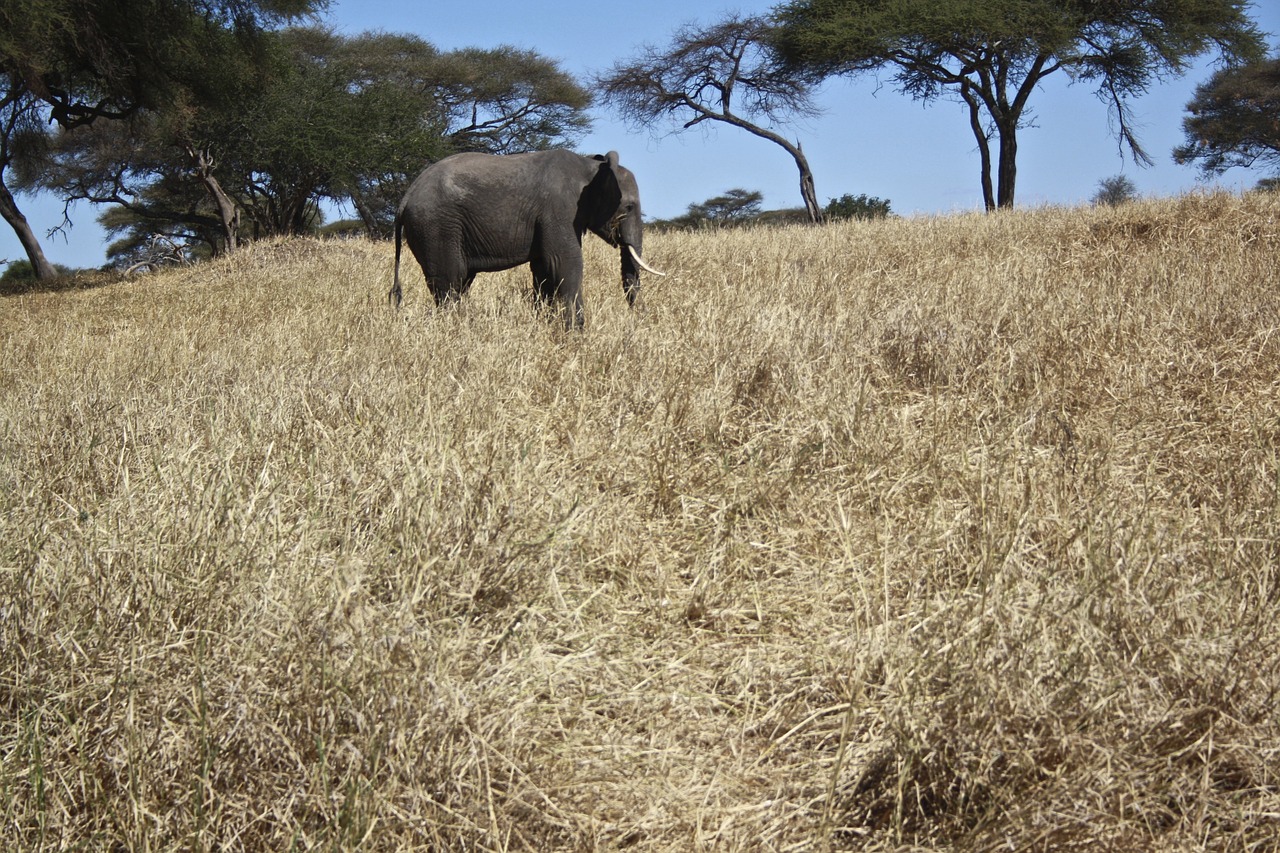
[
  {"x": 992, "y": 54},
  {"x": 861, "y": 206},
  {"x": 1234, "y": 120},
  {"x": 89, "y": 59}
]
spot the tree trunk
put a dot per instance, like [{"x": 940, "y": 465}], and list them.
[
  {"x": 1008, "y": 170},
  {"x": 228, "y": 213},
  {"x": 809, "y": 193},
  {"x": 9, "y": 210},
  {"x": 984, "y": 144},
  {"x": 807, "y": 190},
  {"x": 370, "y": 219}
]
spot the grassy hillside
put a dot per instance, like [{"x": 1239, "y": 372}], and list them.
[{"x": 955, "y": 532}]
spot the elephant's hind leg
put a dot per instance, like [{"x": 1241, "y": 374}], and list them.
[
  {"x": 449, "y": 291},
  {"x": 449, "y": 277}
]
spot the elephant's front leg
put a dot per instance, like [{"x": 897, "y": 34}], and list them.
[{"x": 561, "y": 281}]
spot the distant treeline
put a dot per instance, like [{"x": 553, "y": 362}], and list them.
[{"x": 739, "y": 207}]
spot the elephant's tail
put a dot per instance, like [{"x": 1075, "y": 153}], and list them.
[{"x": 395, "y": 293}]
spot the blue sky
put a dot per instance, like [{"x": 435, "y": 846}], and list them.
[{"x": 869, "y": 140}]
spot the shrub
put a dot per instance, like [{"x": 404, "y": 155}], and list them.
[
  {"x": 861, "y": 206},
  {"x": 1115, "y": 191}
]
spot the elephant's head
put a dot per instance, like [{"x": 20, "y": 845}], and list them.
[{"x": 611, "y": 208}]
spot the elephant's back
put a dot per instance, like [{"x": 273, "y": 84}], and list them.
[{"x": 463, "y": 174}]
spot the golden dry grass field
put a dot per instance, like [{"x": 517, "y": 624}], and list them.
[{"x": 946, "y": 533}]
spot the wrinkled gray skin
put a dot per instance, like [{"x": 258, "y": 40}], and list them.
[{"x": 473, "y": 213}]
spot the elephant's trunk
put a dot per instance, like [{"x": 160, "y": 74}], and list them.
[
  {"x": 630, "y": 275},
  {"x": 632, "y": 263},
  {"x": 627, "y": 234}
]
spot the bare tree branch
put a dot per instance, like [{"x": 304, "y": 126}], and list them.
[{"x": 725, "y": 73}]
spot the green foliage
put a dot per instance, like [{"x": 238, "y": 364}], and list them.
[
  {"x": 861, "y": 206},
  {"x": 91, "y": 59},
  {"x": 1115, "y": 191},
  {"x": 506, "y": 100},
  {"x": 18, "y": 271},
  {"x": 76, "y": 62},
  {"x": 431, "y": 103},
  {"x": 135, "y": 167},
  {"x": 320, "y": 128},
  {"x": 23, "y": 272},
  {"x": 1232, "y": 120},
  {"x": 174, "y": 212},
  {"x": 24, "y": 135},
  {"x": 498, "y": 100}
]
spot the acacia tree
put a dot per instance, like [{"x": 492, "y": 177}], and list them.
[
  {"x": 1115, "y": 191},
  {"x": 158, "y": 163},
  {"x": 735, "y": 207},
  {"x": 91, "y": 59},
  {"x": 1234, "y": 120},
  {"x": 723, "y": 73},
  {"x": 992, "y": 54}
]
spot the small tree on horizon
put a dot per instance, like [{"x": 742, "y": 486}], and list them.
[
  {"x": 1115, "y": 191},
  {"x": 735, "y": 207}
]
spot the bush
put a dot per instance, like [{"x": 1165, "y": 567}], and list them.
[
  {"x": 22, "y": 272},
  {"x": 860, "y": 206},
  {"x": 1115, "y": 191},
  {"x": 18, "y": 271}
]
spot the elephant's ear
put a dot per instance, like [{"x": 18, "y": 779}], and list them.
[
  {"x": 611, "y": 159},
  {"x": 607, "y": 189}
]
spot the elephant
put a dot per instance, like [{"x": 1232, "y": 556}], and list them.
[{"x": 471, "y": 213}]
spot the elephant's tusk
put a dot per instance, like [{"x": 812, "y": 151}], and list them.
[{"x": 635, "y": 256}]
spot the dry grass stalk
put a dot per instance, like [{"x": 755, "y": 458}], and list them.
[{"x": 938, "y": 532}]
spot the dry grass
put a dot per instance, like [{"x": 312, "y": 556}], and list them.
[{"x": 954, "y": 532}]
